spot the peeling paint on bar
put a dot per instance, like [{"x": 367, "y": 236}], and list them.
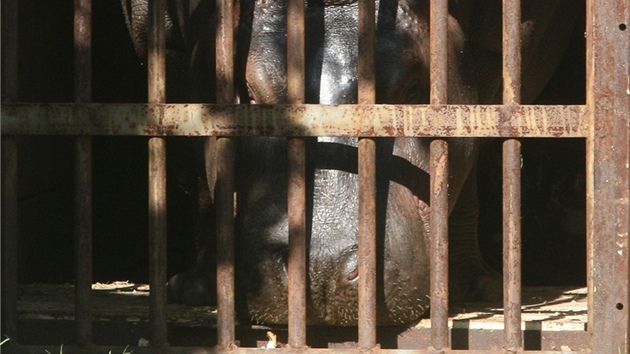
[{"x": 294, "y": 120}]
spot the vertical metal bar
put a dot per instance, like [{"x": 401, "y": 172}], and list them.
[
  {"x": 156, "y": 56},
  {"x": 296, "y": 181},
  {"x": 438, "y": 38},
  {"x": 9, "y": 49},
  {"x": 512, "y": 245},
  {"x": 82, "y": 51},
  {"x": 367, "y": 181},
  {"x": 9, "y": 233},
  {"x": 225, "y": 180},
  {"x": 225, "y": 243},
  {"x": 297, "y": 243},
  {"x": 224, "y": 52},
  {"x": 83, "y": 174},
  {"x": 295, "y": 51},
  {"x": 83, "y": 239},
  {"x": 157, "y": 177},
  {"x": 511, "y": 180},
  {"x": 157, "y": 240},
  {"x": 367, "y": 45},
  {"x": 438, "y": 32},
  {"x": 439, "y": 245},
  {"x": 608, "y": 175},
  {"x": 367, "y": 243},
  {"x": 9, "y": 172},
  {"x": 511, "y": 52}
]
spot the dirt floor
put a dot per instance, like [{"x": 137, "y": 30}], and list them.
[{"x": 554, "y": 318}]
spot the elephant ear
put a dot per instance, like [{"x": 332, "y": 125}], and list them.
[{"x": 547, "y": 26}]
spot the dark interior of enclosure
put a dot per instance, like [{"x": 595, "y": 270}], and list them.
[
  {"x": 553, "y": 170},
  {"x": 553, "y": 184}
]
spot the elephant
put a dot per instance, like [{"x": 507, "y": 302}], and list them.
[{"x": 402, "y": 77}]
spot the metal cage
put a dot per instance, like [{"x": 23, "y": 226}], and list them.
[{"x": 603, "y": 121}]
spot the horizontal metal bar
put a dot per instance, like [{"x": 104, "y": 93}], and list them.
[
  {"x": 295, "y": 120},
  {"x": 212, "y": 350}
]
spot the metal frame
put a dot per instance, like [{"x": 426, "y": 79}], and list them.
[{"x": 603, "y": 121}]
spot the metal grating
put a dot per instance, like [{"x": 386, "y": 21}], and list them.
[{"x": 603, "y": 121}]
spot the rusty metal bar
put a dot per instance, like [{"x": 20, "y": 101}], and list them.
[
  {"x": 438, "y": 38},
  {"x": 439, "y": 245},
  {"x": 82, "y": 51},
  {"x": 156, "y": 56},
  {"x": 297, "y": 270},
  {"x": 367, "y": 44},
  {"x": 196, "y": 350},
  {"x": 295, "y": 120},
  {"x": 225, "y": 243},
  {"x": 367, "y": 243},
  {"x": 225, "y": 180},
  {"x": 297, "y": 242},
  {"x": 512, "y": 181},
  {"x": 9, "y": 234},
  {"x": 83, "y": 174},
  {"x": 157, "y": 177},
  {"x": 367, "y": 181},
  {"x": 608, "y": 176},
  {"x": 224, "y": 52},
  {"x": 512, "y": 245},
  {"x": 438, "y": 95},
  {"x": 9, "y": 50},
  {"x": 511, "y": 52},
  {"x": 295, "y": 51},
  {"x": 83, "y": 239},
  {"x": 9, "y": 172},
  {"x": 157, "y": 241}
]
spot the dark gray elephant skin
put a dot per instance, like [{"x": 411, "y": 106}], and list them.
[{"x": 474, "y": 32}]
